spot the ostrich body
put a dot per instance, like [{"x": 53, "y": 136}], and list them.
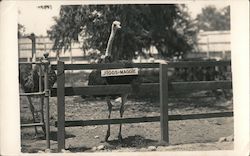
[
  {"x": 96, "y": 79},
  {"x": 29, "y": 81}
]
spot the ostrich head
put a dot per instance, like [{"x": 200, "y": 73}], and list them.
[{"x": 116, "y": 25}]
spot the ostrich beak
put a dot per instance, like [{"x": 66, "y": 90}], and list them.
[{"x": 119, "y": 26}]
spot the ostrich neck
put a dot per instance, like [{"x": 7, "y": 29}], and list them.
[{"x": 110, "y": 42}]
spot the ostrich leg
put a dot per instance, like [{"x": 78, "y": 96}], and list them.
[
  {"x": 124, "y": 99},
  {"x": 32, "y": 109},
  {"x": 109, "y": 115}
]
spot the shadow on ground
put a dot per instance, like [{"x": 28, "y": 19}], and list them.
[
  {"x": 78, "y": 149},
  {"x": 135, "y": 141},
  {"x": 53, "y": 135}
]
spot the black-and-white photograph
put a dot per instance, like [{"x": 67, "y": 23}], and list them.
[{"x": 125, "y": 77}]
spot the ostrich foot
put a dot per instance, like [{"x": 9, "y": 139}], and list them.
[
  {"x": 107, "y": 136},
  {"x": 106, "y": 139},
  {"x": 44, "y": 130},
  {"x": 36, "y": 136},
  {"x": 36, "y": 132},
  {"x": 120, "y": 138}
]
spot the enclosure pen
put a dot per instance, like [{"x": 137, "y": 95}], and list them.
[
  {"x": 41, "y": 94},
  {"x": 163, "y": 88}
]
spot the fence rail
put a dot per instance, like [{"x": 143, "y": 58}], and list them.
[
  {"x": 32, "y": 124},
  {"x": 76, "y": 123},
  {"x": 185, "y": 64},
  {"x": 27, "y": 63},
  {"x": 32, "y": 94},
  {"x": 146, "y": 88}
]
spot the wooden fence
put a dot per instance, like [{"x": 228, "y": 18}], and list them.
[
  {"x": 163, "y": 88},
  {"x": 42, "y": 94}
]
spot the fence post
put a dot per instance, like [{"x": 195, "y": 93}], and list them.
[
  {"x": 60, "y": 106},
  {"x": 41, "y": 98},
  {"x": 32, "y": 37},
  {"x": 46, "y": 101},
  {"x": 164, "y": 103}
]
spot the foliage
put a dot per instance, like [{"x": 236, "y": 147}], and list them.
[
  {"x": 168, "y": 27},
  {"x": 212, "y": 19},
  {"x": 21, "y": 30}
]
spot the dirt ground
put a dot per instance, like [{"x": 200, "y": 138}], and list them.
[{"x": 198, "y": 134}]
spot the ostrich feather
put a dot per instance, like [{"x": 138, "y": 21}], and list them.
[{"x": 29, "y": 78}]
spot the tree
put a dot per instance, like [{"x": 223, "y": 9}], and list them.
[
  {"x": 20, "y": 30},
  {"x": 167, "y": 27},
  {"x": 212, "y": 19}
]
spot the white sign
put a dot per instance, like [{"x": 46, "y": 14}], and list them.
[{"x": 119, "y": 72}]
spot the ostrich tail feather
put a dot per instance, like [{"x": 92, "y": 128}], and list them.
[{"x": 51, "y": 77}]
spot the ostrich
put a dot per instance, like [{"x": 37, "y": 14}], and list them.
[
  {"x": 29, "y": 81},
  {"x": 96, "y": 79}
]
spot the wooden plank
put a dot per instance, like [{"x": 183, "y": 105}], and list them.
[
  {"x": 60, "y": 106},
  {"x": 200, "y": 116},
  {"x": 199, "y": 85},
  {"x": 164, "y": 103},
  {"x": 110, "y": 121},
  {"x": 41, "y": 97},
  {"x": 145, "y": 88},
  {"x": 32, "y": 94},
  {"x": 30, "y": 63},
  {"x": 106, "y": 89},
  {"x": 198, "y": 64},
  {"x": 75, "y": 123},
  {"x": 32, "y": 124},
  {"x": 107, "y": 66},
  {"x": 145, "y": 65},
  {"x": 46, "y": 103},
  {"x": 33, "y": 46}
]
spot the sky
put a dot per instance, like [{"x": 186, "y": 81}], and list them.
[{"x": 38, "y": 21}]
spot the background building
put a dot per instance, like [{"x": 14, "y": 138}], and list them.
[{"x": 211, "y": 45}]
